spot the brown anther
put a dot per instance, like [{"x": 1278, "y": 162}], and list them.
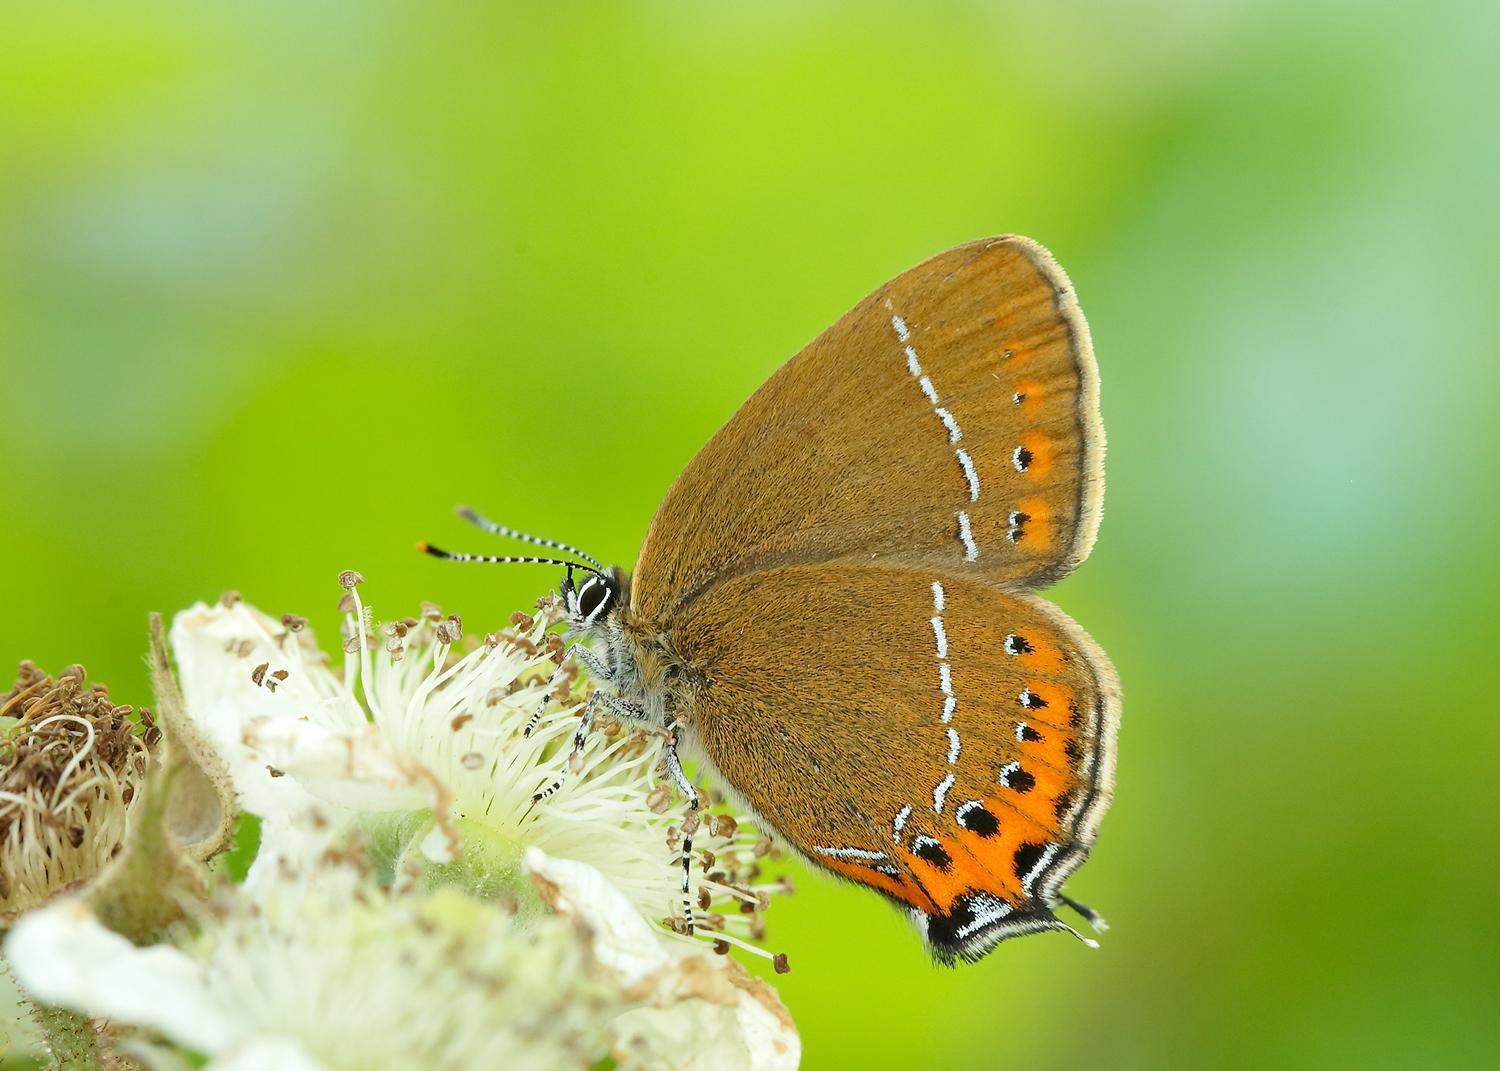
[
  {"x": 708, "y": 859},
  {"x": 246, "y": 648},
  {"x": 394, "y": 628},
  {"x": 293, "y": 623},
  {"x": 762, "y": 848},
  {"x": 659, "y": 799},
  {"x": 347, "y": 605},
  {"x": 749, "y": 907},
  {"x": 610, "y": 727},
  {"x": 782, "y": 966},
  {"x": 472, "y": 761},
  {"x": 349, "y": 578},
  {"x": 274, "y": 772},
  {"x": 704, "y": 899},
  {"x": 691, "y": 824},
  {"x": 757, "y": 927},
  {"x": 351, "y": 645},
  {"x": 258, "y": 674},
  {"x": 460, "y": 720},
  {"x": 280, "y": 674},
  {"x": 723, "y": 826},
  {"x": 523, "y": 621},
  {"x": 721, "y": 948},
  {"x": 431, "y": 611}
]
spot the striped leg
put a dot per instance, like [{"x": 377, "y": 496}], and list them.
[
  {"x": 580, "y": 735},
  {"x": 596, "y": 666},
  {"x": 689, "y": 824},
  {"x": 541, "y": 707}
]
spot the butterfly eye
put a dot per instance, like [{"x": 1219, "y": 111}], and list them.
[{"x": 593, "y": 597}]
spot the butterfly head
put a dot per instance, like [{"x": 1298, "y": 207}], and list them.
[
  {"x": 592, "y": 594},
  {"x": 590, "y": 597}
]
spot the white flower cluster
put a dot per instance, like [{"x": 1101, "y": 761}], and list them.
[{"x": 409, "y": 905}]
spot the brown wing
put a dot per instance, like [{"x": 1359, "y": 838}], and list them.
[
  {"x": 949, "y": 420},
  {"x": 928, "y": 735}
]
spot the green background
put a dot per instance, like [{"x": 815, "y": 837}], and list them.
[{"x": 281, "y": 286}]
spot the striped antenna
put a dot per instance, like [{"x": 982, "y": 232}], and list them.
[
  {"x": 524, "y": 559},
  {"x": 501, "y": 530}
]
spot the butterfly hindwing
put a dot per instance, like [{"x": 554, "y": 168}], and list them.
[
  {"x": 950, "y": 744},
  {"x": 949, "y": 420}
]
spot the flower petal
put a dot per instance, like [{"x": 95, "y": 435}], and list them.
[
  {"x": 267, "y": 1054},
  {"x": 62, "y": 955},
  {"x": 218, "y": 651},
  {"x": 358, "y": 770},
  {"x": 701, "y": 1008},
  {"x": 625, "y": 943}
]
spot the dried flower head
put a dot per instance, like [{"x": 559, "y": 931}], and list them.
[{"x": 71, "y": 767}]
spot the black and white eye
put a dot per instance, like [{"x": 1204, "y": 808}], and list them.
[{"x": 593, "y": 596}]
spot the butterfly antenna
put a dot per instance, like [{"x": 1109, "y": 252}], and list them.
[
  {"x": 501, "y": 530},
  {"x": 524, "y": 559}
]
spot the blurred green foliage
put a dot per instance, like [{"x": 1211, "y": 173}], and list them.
[{"x": 282, "y": 283}]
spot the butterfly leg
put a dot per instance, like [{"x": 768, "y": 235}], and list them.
[
  {"x": 541, "y": 707},
  {"x": 597, "y": 667},
  {"x": 581, "y": 734},
  {"x": 600, "y": 668},
  {"x": 690, "y": 823}
]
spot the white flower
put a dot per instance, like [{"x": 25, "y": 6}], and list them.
[
  {"x": 71, "y": 767},
  {"x": 698, "y": 1011},
  {"x": 412, "y": 726},
  {"x": 415, "y": 758},
  {"x": 329, "y": 974}
]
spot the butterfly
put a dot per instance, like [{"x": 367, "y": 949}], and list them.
[{"x": 834, "y": 609}]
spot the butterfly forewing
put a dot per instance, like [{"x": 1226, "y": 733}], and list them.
[
  {"x": 921, "y": 732},
  {"x": 949, "y": 420}
]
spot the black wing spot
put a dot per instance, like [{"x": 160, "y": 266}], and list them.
[
  {"x": 930, "y": 850},
  {"x": 1012, "y": 776},
  {"x": 979, "y": 820},
  {"x": 1030, "y": 734},
  {"x": 1031, "y": 701},
  {"x": 1017, "y": 645},
  {"x": 1026, "y": 858}
]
